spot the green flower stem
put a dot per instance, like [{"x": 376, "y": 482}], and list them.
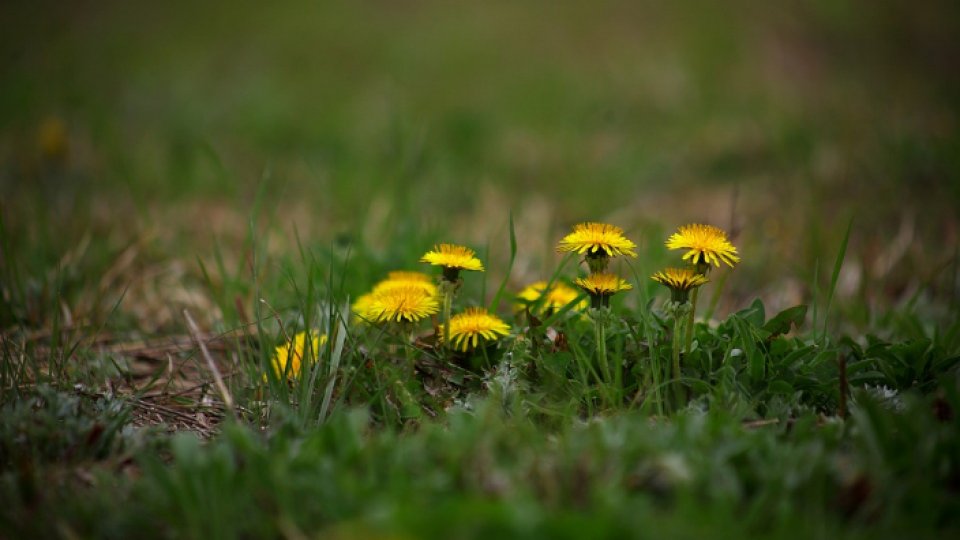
[
  {"x": 657, "y": 377},
  {"x": 447, "y": 290},
  {"x": 601, "y": 318},
  {"x": 447, "y": 307},
  {"x": 408, "y": 340},
  {"x": 405, "y": 333},
  {"x": 677, "y": 325},
  {"x": 600, "y": 330},
  {"x": 688, "y": 338}
]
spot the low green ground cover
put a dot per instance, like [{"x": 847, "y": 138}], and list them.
[{"x": 771, "y": 430}]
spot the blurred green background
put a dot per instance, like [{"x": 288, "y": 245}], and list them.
[{"x": 139, "y": 137}]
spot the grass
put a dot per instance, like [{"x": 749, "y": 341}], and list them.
[
  {"x": 771, "y": 435},
  {"x": 258, "y": 172}
]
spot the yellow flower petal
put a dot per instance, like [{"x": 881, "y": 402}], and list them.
[
  {"x": 468, "y": 327},
  {"x": 595, "y": 237},
  {"x": 707, "y": 245},
  {"x": 405, "y": 303},
  {"x": 603, "y": 284},
  {"x": 556, "y": 297},
  {"x": 453, "y": 256},
  {"x": 293, "y": 353},
  {"x": 680, "y": 279}
]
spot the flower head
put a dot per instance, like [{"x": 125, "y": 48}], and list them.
[
  {"x": 597, "y": 241},
  {"x": 707, "y": 245},
  {"x": 601, "y": 286},
  {"x": 680, "y": 281},
  {"x": 453, "y": 259},
  {"x": 408, "y": 276},
  {"x": 407, "y": 303},
  {"x": 399, "y": 279},
  {"x": 551, "y": 298},
  {"x": 288, "y": 357},
  {"x": 467, "y": 328},
  {"x": 365, "y": 307},
  {"x": 362, "y": 307}
]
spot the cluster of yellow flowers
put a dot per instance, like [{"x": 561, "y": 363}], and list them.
[
  {"x": 406, "y": 297},
  {"x": 413, "y": 296},
  {"x": 599, "y": 242},
  {"x": 706, "y": 245}
]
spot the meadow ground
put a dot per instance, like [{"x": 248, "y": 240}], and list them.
[{"x": 229, "y": 175}]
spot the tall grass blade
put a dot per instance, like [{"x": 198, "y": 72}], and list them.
[
  {"x": 335, "y": 357},
  {"x": 506, "y": 276},
  {"x": 837, "y": 265}
]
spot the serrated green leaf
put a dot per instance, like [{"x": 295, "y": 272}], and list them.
[
  {"x": 755, "y": 314},
  {"x": 784, "y": 320}
]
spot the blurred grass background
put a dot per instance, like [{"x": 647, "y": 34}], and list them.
[{"x": 137, "y": 138}]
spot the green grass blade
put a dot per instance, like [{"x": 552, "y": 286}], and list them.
[
  {"x": 335, "y": 357},
  {"x": 506, "y": 276},
  {"x": 837, "y": 265}
]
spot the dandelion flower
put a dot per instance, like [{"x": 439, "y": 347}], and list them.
[
  {"x": 474, "y": 324},
  {"x": 288, "y": 357},
  {"x": 707, "y": 245},
  {"x": 362, "y": 308},
  {"x": 399, "y": 279},
  {"x": 409, "y": 277},
  {"x": 679, "y": 278},
  {"x": 553, "y": 298},
  {"x": 597, "y": 241},
  {"x": 364, "y": 304},
  {"x": 453, "y": 259},
  {"x": 680, "y": 281},
  {"x": 401, "y": 304},
  {"x": 601, "y": 286}
]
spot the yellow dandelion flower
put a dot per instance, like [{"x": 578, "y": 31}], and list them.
[
  {"x": 453, "y": 256},
  {"x": 362, "y": 308},
  {"x": 401, "y": 304},
  {"x": 707, "y": 245},
  {"x": 467, "y": 328},
  {"x": 409, "y": 276},
  {"x": 288, "y": 357},
  {"x": 597, "y": 240},
  {"x": 680, "y": 281},
  {"x": 407, "y": 279},
  {"x": 556, "y": 297},
  {"x": 601, "y": 286}
]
